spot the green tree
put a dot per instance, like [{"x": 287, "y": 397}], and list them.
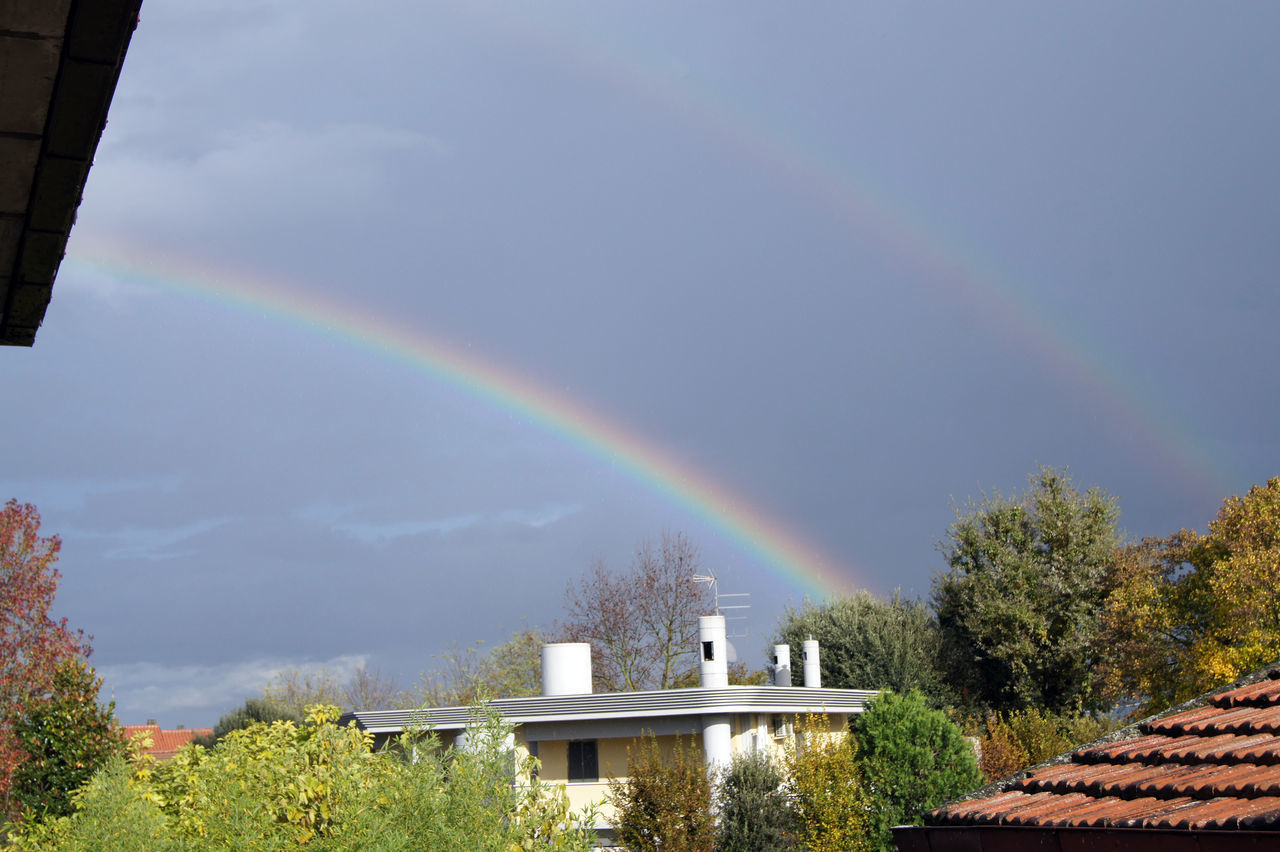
[
  {"x": 1019, "y": 607},
  {"x": 869, "y": 643},
  {"x": 664, "y": 803},
  {"x": 826, "y": 783},
  {"x": 66, "y": 737},
  {"x": 913, "y": 759},
  {"x": 253, "y": 711},
  {"x": 1191, "y": 612},
  {"x": 754, "y": 807}
]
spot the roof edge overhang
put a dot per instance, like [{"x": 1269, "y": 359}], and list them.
[{"x": 623, "y": 705}]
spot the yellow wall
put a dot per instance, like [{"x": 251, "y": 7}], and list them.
[{"x": 612, "y": 755}]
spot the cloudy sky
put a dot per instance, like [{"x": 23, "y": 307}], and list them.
[{"x": 381, "y": 321}]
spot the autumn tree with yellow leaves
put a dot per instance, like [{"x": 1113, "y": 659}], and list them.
[{"x": 1191, "y": 612}]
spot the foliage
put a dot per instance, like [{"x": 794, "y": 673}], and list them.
[
  {"x": 365, "y": 688},
  {"x": 642, "y": 624},
  {"x": 66, "y": 738},
  {"x": 1191, "y": 612},
  {"x": 1019, "y": 607},
  {"x": 665, "y": 802},
  {"x": 253, "y": 711},
  {"x": 512, "y": 669},
  {"x": 740, "y": 674},
  {"x": 868, "y": 643},
  {"x": 829, "y": 798},
  {"x": 280, "y": 786},
  {"x": 754, "y": 807},
  {"x": 1010, "y": 742},
  {"x": 913, "y": 759},
  {"x": 32, "y": 645}
]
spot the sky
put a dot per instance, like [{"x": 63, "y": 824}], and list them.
[{"x": 381, "y": 322}]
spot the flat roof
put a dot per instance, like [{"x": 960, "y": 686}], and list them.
[{"x": 624, "y": 705}]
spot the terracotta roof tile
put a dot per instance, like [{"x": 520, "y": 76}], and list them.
[
  {"x": 1211, "y": 766},
  {"x": 165, "y": 742}
]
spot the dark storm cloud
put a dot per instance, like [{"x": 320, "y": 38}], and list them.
[{"x": 1061, "y": 255}]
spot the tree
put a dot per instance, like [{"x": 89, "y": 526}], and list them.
[
  {"x": 364, "y": 689},
  {"x": 1191, "y": 612},
  {"x": 869, "y": 643},
  {"x": 255, "y": 710},
  {"x": 1019, "y": 606},
  {"x": 465, "y": 676},
  {"x": 664, "y": 803},
  {"x": 754, "y": 807},
  {"x": 829, "y": 796},
  {"x": 643, "y": 624},
  {"x": 913, "y": 759},
  {"x": 65, "y": 738},
  {"x": 32, "y": 645}
]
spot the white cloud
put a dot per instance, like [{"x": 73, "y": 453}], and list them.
[
  {"x": 265, "y": 170},
  {"x": 338, "y": 518},
  {"x": 147, "y": 690},
  {"x": 152, "y": 543}
]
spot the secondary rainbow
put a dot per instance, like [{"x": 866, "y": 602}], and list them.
[
  {"x": 944, "y": 264},
  {"x": 782, "y": 551}
]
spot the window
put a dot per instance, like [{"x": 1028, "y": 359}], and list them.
[
  {"x": 708, "y": 651},
  {"x": 583, "y": 762},
  {"x": 533, "y": 752}
]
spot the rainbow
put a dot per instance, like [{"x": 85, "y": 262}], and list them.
[
  {"x": 877, "y": 217},
  {"x": 748, "y": 527}
]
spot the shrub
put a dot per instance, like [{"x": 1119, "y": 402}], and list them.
[
  {"x": 755, "y": 810},
  {"x": 826, "y": 780},
  {"x": 913, "y": 759},
  {"x": 665, "y": 802}
]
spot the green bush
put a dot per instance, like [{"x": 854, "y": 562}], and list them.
[
  {"x": 755, "y": 809},
  {"x": 280, "y": 786},
  {"x": 913, "y": 759}
]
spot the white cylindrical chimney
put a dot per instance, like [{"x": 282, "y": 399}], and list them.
[
  {"x": 812, "y": 672},
  {"x": 713, "y": 650},
  {"x": 566, "y": 668},
  {"x": 781, "y": 665}
]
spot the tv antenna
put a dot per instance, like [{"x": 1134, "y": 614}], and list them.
[{"x": 714, "y": 583}]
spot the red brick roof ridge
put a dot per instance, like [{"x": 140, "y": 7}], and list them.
[{"x": 1133, "y": 731}]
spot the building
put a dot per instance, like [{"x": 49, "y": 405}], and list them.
[
  {"x": 1204, "y": 775},
  {"x": 165, "y": 742},
  {"x": 581, "y": 738}
]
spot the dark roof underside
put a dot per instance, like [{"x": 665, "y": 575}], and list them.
[{"x": 59, "y": 62}]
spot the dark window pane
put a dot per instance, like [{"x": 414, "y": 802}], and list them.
[{"x": 583, "y": 762}]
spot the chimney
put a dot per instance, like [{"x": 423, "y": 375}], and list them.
[
  {"x": 713, "y": 651},
  {"x": 812, "y": 673},
  {"x": 781, "y": 665},
  {"x": 566, "y": 668},
  {"x": 152, "y": 722}
]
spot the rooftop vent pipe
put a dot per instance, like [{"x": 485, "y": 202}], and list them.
[
  {"x": 812, "y": 672},
  {"x": 566, "y": 668},
  {"x": 713, "y": 651},
  {"x": 781, "y": 665}
]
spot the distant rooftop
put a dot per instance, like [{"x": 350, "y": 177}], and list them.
[
  {"x": 59, "y": 62},
  {"x": 165, "y": 741}
]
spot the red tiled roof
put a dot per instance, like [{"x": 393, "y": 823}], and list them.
[
  {"x": 165, "y": 741},
  {"x": 1213, "y": 764}
]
